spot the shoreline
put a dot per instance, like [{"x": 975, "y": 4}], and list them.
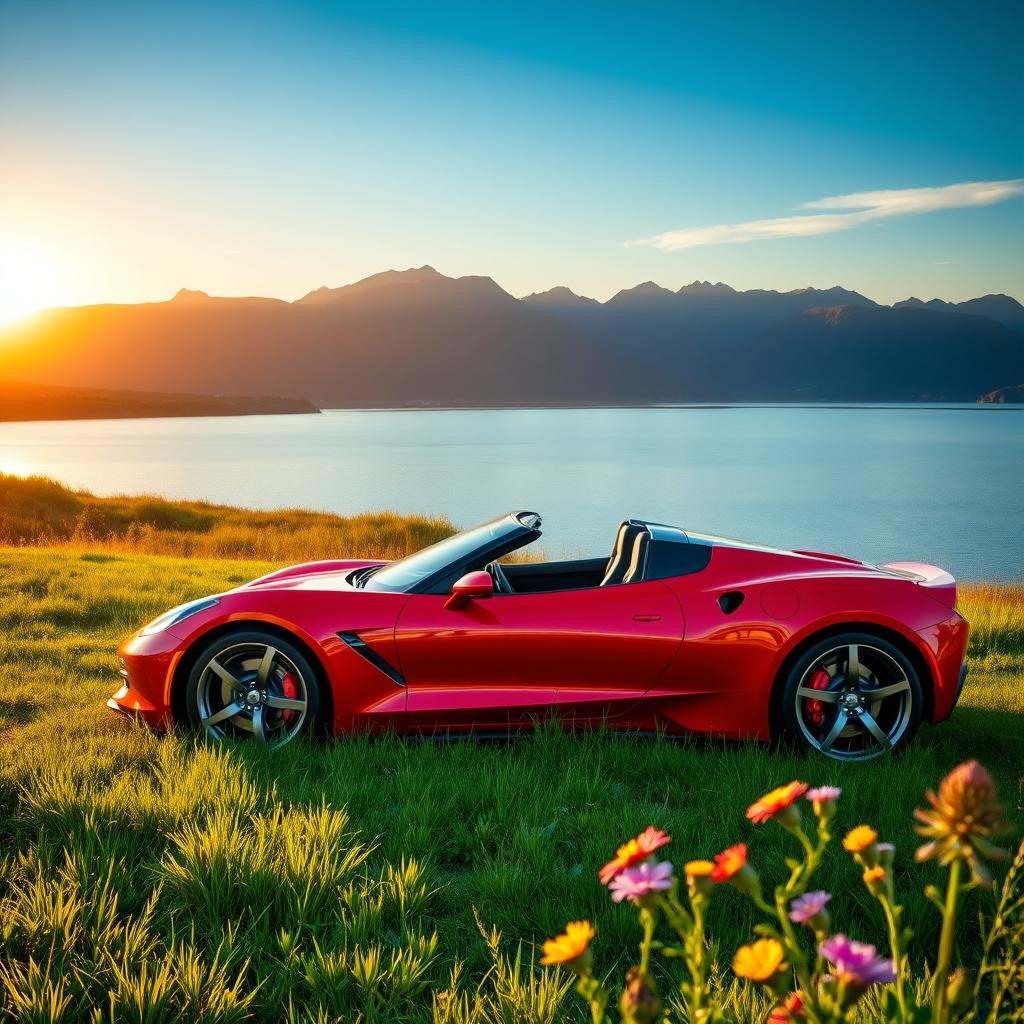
[{"x": 176, "y": 407}]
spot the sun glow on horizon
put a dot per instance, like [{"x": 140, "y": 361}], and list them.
[{"x": 30, "y": 280}]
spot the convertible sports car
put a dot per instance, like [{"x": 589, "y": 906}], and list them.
[{"x": 676, "y": 631}]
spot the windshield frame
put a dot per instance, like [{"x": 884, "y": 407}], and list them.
[{"x": 454, "y": 558}]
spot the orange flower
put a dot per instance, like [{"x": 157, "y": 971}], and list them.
[
  {"x": 859, "y": 839},
  {"x": 729, "y": 862},
  {"x": 963, "y": 819},
  {"x": 777, "y": 800},
  {"x": 571, "y": 949},
  {"x": 633, "y": 852},
  {"x": 875, "y": 878},
  {"x": 760, "y": 961},
  {"x": 790, "y": 1009}
]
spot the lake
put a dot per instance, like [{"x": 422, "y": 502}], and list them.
[{"x": 937, "y": 484}]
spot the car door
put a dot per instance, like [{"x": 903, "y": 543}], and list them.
[{"x": 507, "y": 659}]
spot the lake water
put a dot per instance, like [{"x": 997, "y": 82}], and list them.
[{"x": 936, "y": 484}]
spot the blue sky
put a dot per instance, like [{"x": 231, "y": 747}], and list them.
[{"x": 268, "y": 149}]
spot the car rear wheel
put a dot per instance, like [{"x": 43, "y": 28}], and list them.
[
  {"x": 852, "y": 697},
  {"x": 253, "y": 685}
]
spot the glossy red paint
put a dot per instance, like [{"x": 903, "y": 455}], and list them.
[{"x": 701, "y": 652}]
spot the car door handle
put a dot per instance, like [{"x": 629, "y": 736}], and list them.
[{"x": 644, "y": 617}]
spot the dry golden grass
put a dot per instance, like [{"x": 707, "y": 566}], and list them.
[{"x": 40, "y": 512}]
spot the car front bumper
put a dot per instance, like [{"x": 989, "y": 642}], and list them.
[{"x": 147, "y": 665}]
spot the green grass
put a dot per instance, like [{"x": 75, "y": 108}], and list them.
[{"x": 191, "y": 882}]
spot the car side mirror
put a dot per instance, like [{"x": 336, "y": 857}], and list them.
[{"x": 472, "y": 587}]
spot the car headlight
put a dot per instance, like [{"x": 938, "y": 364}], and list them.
[{"x": 175, "y": 615}]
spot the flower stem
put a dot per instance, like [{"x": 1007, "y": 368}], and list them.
[
  {"x": 939, "y": 1009},
  {"x": 647, "y": 920},
  {"x": 897, "y": 953}
]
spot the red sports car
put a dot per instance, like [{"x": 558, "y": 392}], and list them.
[{"x": 676, "y": 631}]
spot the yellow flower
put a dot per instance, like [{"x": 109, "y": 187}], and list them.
[
  {"x": 699, "y": 879},
  {"x": 760, "y": 961},
  {"x": 859, "y": 839},
  {"x": 698, "y": 868},
  {"x": 571, "y": 949}
]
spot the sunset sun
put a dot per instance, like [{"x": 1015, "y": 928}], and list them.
[{"x": 30, "y": 280}]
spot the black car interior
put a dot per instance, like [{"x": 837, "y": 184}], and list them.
[{"x": 626, "y": 565}]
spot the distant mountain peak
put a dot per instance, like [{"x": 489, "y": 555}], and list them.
[
  {"x": 190, "y": 295},
  {"x": 559, "y": 296},
  {"x": 706, "y": 288},
  {"x": 648, "y": 289},
  {"x": 414, "y": 275},
  {"x": 836, "y": 295}
]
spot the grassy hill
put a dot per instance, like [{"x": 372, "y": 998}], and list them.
[
  {"x": 40, "y": 511},
  {"x": 42, "y": 402},
  {"x": 316, "y": 883}
]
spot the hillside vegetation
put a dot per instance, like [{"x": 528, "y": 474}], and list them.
[
  {"x": 40, "y": 511},
  {"x": 39, "y": 402},
  {"x": 165, "y": 879}
]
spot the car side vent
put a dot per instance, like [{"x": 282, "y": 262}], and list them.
[{"x": 730, "y": 601}]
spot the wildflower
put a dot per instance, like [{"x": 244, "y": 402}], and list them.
[
  {"x": 731, "y": 866},
  {"x": 698, "y": 876},
  {"x": 634, "y": 852},
  {"x": 790, "y": 1009},
  {"x": 860, "y": 841},
  {"x": 823, "y": 800},
  {"x": 571, "y": 949},
  {"x": 886, "y": 854},
  {"x": 856, "y": 963},
  {"x": 778, "y": 802},
  {"x": 729, "y": 862},
  {"x": 960, "y": 990},
  {"x": 641, "y": 881},
  {"x": 875, "y": 879},
  {"x": 809, "y": 909},
  {"x": 639, "y": 1002},
  {"x": 962, "y": 819},
  {"x": 761, "y": 961}
]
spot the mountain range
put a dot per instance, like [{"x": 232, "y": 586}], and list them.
[{"x": 417, "y": 337}]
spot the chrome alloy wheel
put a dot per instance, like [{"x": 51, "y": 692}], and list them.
[
  {"x": 854, "y": 702},
  {"x": 252, "y": 690}
]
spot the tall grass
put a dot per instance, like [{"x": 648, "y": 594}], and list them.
[
  {"x": 38, "y": 511},
  {"x": 147, "y": 878}
]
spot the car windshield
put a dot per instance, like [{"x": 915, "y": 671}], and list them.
[{"x": 406, "y": 573}]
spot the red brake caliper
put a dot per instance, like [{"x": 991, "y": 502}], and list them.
[
  {"x": 816, "y": 710},
  {"x": 290, "y": 690}
]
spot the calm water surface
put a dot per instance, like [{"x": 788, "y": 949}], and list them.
[{"x": 943, "y": 485}]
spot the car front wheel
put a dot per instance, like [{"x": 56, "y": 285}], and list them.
[
  {"x": 852, "y": 697},
  {"x": 253, "y": 685}
]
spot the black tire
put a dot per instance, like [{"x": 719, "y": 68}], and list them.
[
  {"x": 251, "y": 684},
  {"x": 874, "y": 703}
]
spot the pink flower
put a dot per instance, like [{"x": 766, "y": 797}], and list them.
[
  {"x": 811, "y": 904},
  {"x": 642, "y": 880},
  {"x": 822, "y": 793},
  {"x": 856, "y": 962}
]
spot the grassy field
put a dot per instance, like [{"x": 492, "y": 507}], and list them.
[{"x": 166, "y": 879}]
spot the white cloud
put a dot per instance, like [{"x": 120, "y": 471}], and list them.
[{"x": 862, "y": 207}]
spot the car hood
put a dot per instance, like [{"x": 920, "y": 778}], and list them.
[{"x": 332, "y": 574}]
